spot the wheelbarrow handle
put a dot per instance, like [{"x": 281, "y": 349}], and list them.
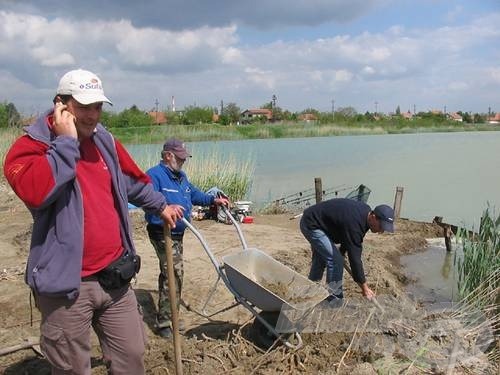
[
  {"x": 204, "y": 244},
  {"x": 238, "y": 228}
]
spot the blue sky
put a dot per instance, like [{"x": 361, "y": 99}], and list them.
[{"x": 426, "y": 54}]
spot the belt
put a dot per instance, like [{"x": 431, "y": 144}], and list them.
[
  {"x": 90, "y": 278},
  {"x": 155, "y": 228}
]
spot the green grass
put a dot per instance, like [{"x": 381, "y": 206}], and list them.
[
  {"x": 227, "y": 173},
  {"x": 212, "y": 132},
  {"x": 205, "y": 171},
  {"x": 7, "y": 137},
  {"x": 213, "y": 169},
  {"x": 481, "y": 260}
]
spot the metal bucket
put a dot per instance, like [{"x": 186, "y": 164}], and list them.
[{"x": 268, "y": 284}]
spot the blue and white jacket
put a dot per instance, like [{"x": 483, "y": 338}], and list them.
[{"x": 177, "y": 189}]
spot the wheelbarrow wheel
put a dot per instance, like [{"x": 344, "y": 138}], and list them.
[{"x": 263, "y": 337}]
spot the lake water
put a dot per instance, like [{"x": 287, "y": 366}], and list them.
[
  {"x": 452, "y": 175},
  {"x": 434, "y": 272}
]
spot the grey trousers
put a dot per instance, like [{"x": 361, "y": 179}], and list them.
[{"x": 116, "y": 318}]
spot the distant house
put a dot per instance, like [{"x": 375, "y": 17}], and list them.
[
  {"x": 307, "y": 117},
  {"x": 250, "y": 114},
  {"x": 159, "y": 118},
  {"x": 215, "y": 117},
  {"x": 407, "y": 115},
  {"x": 494, "y": 119},
  {"x": 455, "y": 117}
]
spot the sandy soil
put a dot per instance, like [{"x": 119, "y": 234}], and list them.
[{"x": 228, "y": 342}]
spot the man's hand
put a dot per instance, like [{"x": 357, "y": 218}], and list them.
[
  {"x": 64, "y": 121},
  {"x": 221, "y": 201},
  {"x": 171, "y": 213},
  {"x": 367, "y": 292}
]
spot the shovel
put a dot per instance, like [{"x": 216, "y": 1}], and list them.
[
  {"x": 173, "y": 298},
  {"x": 30, "y": 342}
]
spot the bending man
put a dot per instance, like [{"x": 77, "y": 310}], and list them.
[{"x": 342, "y": 221}]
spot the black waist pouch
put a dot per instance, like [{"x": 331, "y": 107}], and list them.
[{"x": 120, "y": 272}]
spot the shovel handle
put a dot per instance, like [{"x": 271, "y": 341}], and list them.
[{"x": 173, "y": 298}]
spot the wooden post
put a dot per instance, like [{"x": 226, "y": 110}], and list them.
[
  {"x": 447, "y": 232},
  {"x": 397, "y": 201},
  {"x": 318, "y": 189},
  {"x": 361, "y": 193},
  {"x": 173, "y": 298}
]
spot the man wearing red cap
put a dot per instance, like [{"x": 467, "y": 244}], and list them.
[{"x": 169, "y": 179}]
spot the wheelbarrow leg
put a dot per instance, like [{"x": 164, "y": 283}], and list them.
[{"x": 265, "y": 334}]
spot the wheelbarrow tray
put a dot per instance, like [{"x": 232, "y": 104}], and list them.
[{"x": 269, "y": 284}]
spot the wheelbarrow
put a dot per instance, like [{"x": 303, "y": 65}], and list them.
[{"x": 262, "y": 285}]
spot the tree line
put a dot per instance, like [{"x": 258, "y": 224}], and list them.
[{"x": 230, "y": 114}]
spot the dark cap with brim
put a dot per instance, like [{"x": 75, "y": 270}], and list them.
[
  {"x": 177, "y": 147},
  {"x": 385, "y": 214}
]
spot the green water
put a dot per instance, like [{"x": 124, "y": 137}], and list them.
[
  {"x": 443, "y": 174},
  {"x": 433, "y": 272}
]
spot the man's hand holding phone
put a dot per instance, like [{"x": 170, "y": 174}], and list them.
[{"x": 64, "y": 121}]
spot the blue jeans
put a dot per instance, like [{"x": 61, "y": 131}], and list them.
[{"x": 325, "y": 255}]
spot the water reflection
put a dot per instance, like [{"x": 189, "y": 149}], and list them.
[
  {"x": 434, "y": 272},
  {"x": 446, "y": 268}
]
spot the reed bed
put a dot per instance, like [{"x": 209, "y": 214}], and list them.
[
  {"x": 480, "y": 312},
  {"x": 7, "y": 137},
  {"x": 214, "y": 169},
  {"x": 229, "y": 174},
  {"x": 479, "y": 282},
  {"x": 205, "y": 171},
  {"x": 481, "y": 259},
  {"x": 214, "y": 131}
]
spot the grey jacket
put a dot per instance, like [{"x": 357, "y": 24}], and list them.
[{"x": 55, "y": 258}]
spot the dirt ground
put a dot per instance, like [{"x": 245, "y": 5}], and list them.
[{"x": 227, "y": 343}]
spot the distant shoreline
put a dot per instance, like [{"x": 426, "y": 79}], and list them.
[{"x": 216, "y": 132}]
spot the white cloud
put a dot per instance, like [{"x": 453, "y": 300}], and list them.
[
  {"x": 458, "y": 86},
  {"x": 343, "y": 75},
  {"x": 368, "y": 70},
  {"x": 494, "y": 74},
  {"x": 205, "y": 64},
  {"x": 231, "y": 55},
  {"x": 260, "y": 77}
]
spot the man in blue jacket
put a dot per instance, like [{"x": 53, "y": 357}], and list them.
[
  {"x": 169, "y": 178},
  {"x": 345, "y": 222}
]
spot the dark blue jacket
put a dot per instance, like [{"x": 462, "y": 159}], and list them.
[
  {"x": 344, "y": 221},
  {"x": 177, "y": 189}
]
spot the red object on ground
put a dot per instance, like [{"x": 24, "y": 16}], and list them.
[{"x": 247, "y": 220}]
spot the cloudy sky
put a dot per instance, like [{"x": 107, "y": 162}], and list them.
[{"x": 368, "y": 54}]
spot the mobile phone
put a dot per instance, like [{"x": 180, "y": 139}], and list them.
[{"x": 61, "y": 99}]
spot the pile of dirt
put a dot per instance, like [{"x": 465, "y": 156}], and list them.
[{"x": 227, "y": 342}]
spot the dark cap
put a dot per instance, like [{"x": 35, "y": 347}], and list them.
[
  {"x": 177, "y": 147},
  {"x": 386, "y": 216}
]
